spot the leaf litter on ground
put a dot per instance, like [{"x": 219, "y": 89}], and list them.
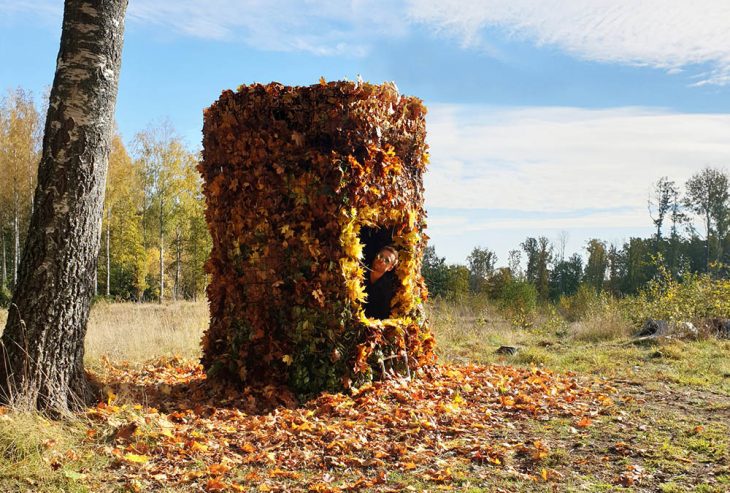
[{"x": 163, "y": 425}]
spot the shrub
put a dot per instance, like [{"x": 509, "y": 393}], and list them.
[
  {"x": 576, "y": 306},
  {"x": 697, "y": 297},
  {"x": 518, "y": 299},
  {"x": 603, "y": 319}
]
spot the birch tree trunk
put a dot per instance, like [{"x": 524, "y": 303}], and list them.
[
  {"x": 43, "y": 343},
  {"x": 162, "y": 252},
  {"x": 5, "y": 260},
  {"x": 108, "y": 258},
  {"x": 16, "y": 239},
  {"x": 178, "y": 261}
]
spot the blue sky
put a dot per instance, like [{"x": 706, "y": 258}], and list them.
[{"x": 544, "y": 117}]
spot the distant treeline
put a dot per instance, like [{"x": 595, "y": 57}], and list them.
[
  {"x": 677, "y": 249},
  {"x": 154, "y": 237}
]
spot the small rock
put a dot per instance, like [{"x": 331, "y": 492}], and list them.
[
  {"x": 685, "y": 330},
  {"x": 720, "y": 326},
  {"x": 661, "y": 328},
  {"x": 653, "y": 327}
]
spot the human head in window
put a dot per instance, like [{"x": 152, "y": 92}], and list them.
[{"x": 380, "y": 283}]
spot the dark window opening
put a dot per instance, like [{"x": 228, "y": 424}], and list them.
[
  {"x": 373, "y": 240},
  {"x": 381, "y": 292}
]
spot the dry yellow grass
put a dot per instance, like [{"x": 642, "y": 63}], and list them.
[
  {"x": 469, "y": 329},
  {"x": 137, "y": 332},
  {"x": 602, "y": 322}
]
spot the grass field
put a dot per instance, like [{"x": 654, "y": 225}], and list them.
[{"x": 667, "y": 429}]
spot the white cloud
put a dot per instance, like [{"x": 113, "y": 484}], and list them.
[
  {"x": 557, "y": 159},
  {"x": 498, "y": 175},
  {"x": 323, "y": 27},
  {"x": 459, "y": 225},
  {"x": 318, "y": 26},
  {"x": 667, "y": 34},
  {"x": 41, "y": 10}
]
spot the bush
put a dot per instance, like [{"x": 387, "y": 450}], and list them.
[
  {"x": 604, "y": 319},
  {"x": 696, "y": 298},
  {"x": 576, "y": 306},
  {"x": 518, "y": 299}
]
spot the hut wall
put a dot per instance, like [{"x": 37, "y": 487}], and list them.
[{"x": 291, "y": 176}]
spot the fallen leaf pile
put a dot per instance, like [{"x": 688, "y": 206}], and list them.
[
  {"x": 295, "y": 178},
  {"x": 192, "y": 435}
]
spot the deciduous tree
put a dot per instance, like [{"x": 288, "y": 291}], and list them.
[
  {"x": 481, "y": 263},
  {"x": 43, "y": 342},
  {"x": 163, "y": 163},
  {"x": 19, "y": 156},
  {"x": 597, "y": 264},
  {"x": 539, "y": 255},
  {"x": 707, "y": 196}
]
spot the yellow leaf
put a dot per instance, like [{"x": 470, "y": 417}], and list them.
[
  {"x": 198, "y": 447},
  {"x": 137, "y": 459}
]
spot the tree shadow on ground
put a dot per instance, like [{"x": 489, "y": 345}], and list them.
[{"x": 173, "y": 385}]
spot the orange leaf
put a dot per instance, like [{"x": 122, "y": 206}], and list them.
[
  {"x": 215, "y": 484},
  {"x": 218, "y": 469},
  {"x": 247, "y": 447}
]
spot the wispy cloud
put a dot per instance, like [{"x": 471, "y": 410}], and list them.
[
  {"x": 555, "y": 159},
  {"x": 322, "y": 27},
  {"x": 668, "y": 34},
  {"x": 498, "y": 175},
  {"x": 595, "y": 220},
  {"x": 318, "y": 26},
  {"x": 43, "y": 10}
]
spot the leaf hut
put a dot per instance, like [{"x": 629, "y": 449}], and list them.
[{"x": 303, "y": 186}]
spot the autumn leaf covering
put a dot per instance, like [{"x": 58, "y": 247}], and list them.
[
  {"x": 191, "y": 437},
  {"x": 291, "y": 175}
]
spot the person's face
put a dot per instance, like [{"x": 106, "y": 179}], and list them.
[{"x": 384, "y": 261}]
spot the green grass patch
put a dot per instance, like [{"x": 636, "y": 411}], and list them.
[{"x": 38, "y": 454}]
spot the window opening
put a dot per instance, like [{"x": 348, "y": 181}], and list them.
[{"x": 392, "y": 362}]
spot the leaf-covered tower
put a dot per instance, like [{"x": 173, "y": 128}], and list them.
[{"x": 303, "y": 186}]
